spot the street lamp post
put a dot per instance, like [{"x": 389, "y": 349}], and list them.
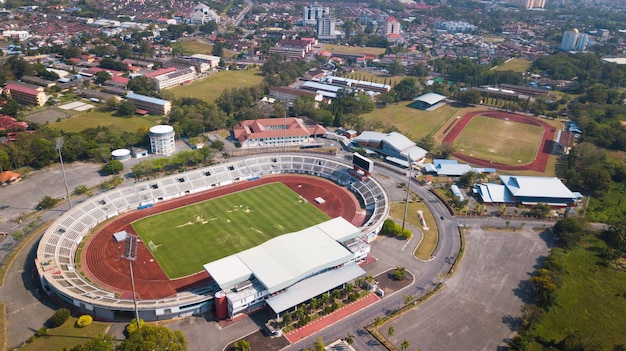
[
  {"x": 130, "y": 253},
  {"x": 408, "y": 192},
  {"x": 59, "y": 146}
]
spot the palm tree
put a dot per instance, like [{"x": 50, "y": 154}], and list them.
[
  {"x": 378, "y": 321},
  {"x": 404, "y": 345},
  {"x": 391, "y": 331}
]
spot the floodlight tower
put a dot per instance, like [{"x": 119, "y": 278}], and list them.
[
  {"x": 59, "y": 146},
  {"x": 130, "y": 253}
]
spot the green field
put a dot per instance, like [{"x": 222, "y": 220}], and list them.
[
  {"x": 353, "y": 49},
  {"x": 186, "y": 238},
  {"x": 376, "y": 78},
  {"x": 191, "y": 47},
  {"x": 414, "y": 123},
  {"x": 210, "y": 88},
  {"x": 589, "y": 301},
  {"x": 500, "y": 140},
  {"x": 67, "y": 336},
  {"x": 94, "y": 118},
  {"x": 515, "y": 65}
]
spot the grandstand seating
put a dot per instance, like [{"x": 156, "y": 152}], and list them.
[{"x": 57, "y": 248}]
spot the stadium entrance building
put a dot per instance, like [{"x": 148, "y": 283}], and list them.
[{"x": 290, "y": 269}]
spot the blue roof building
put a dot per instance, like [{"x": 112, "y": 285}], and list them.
[{"x": 527, "y": 190}]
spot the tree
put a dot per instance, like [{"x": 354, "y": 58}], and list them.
[
  {"x": 409, "y": 300},
  {"x": 319, "y": 344},
  {"x": 242, "y": 345},
  {"x": 391, "y": 331},
  {"x": 102, "y": 77},
  {"x": 142, "y": 85},
  {"x": 126, "y": 108},
  {"x": 445, "y": 150},
  {"x": 104, "y": 342},
  {"x": 468, "y": 178},
  {"x": 113, "y": 167},
  {"x": 11, "y": 108},
  {"x": 46, "y": 203},
  {"x": 154, "y": 338},
  {"x": 469, "y": 97},
  {"x": 349, "y": 339},
  {"x": 59, "y": 317},
  {"x": 378, "y": 321},
  {"x": 218, "y": 145},
  {"x": 404, "y": 345},
  {"x": 399, "y": 273}
]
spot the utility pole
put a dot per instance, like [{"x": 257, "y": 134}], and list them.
[
  {"x": 408, "y": 192},
  {"x": 59, "y": 146}
]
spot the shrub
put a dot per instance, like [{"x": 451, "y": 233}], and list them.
[
  {"x": 84, "y": 321},
  {"x": 132, "y": 326},
  {"x": 42, "y": 332},
  {"x": 59, "y": 317}
]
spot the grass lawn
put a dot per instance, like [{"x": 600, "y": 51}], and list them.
[
  {"x": 515, "y": 65},
  {"x": 211, "y": 87},
  {"x": 376, "y": 78},
  {"x": 66, "y": 336},
  {"x": 431, "y": 236},
  {"x": 413, "y": 123},
  {"x": 191, "y": 236},
  {"x": 353, "y": 49},
  {"x": 500, "y": 140},
  {"x": 590, "y": 301},
  {"x": 192, "y": 47},
  {"x": 94, "y": 118}
]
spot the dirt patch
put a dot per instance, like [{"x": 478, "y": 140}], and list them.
[
  {"x": 389, "y": 285},
  {"x": 42, "y": 117}
]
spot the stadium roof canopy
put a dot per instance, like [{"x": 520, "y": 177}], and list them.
[
  {"x": 287, "y": 259},
  {"x": 431, "y": 98},
  {"x": 314, "y": 286}
]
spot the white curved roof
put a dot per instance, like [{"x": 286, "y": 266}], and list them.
[
  {"x": 431, "y": 98},
  {"x": 161, "y": 129},
  {"x": 283, "y": 261},
  {"x": 120, "y": 152}
]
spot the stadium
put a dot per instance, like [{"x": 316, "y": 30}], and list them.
[
  {"x": 79, "y": 258},
  {"x": 540, "y": 159}
]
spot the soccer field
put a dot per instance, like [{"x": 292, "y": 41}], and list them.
[
  {"x": 184, "y": 239},
  {"x": 500, "y": 140}
]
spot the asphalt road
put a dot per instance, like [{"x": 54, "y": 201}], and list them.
[{"x": 476, "y": 310}]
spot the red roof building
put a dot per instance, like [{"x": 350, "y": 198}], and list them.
[
  {"x": 10, "y": 123},
  {"x": 275, "y": 132},
  {"x": 26, "y": 94}
]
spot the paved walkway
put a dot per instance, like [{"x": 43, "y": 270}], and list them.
[{"x": 330, "y": 319}]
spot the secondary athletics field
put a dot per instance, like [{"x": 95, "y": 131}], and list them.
[
  {"x": 101, "y": 260},
  {"x": 492, "y": 140}
]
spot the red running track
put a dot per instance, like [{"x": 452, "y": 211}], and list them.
[
  {"x": 101, "y": 258},
  {"x": 541, "y": 159}
]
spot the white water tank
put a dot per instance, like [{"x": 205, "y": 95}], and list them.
[{"x": 162, "y": 140}]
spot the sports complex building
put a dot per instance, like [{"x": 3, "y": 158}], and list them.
[
  {"x": 526, "y": 190},
  {"x": 281, "y": 272}
]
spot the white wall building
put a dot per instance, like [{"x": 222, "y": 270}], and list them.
[
  {"x": 313, "y": 12},
  {"x": 574, "y": 40},
  {"x": 162, "y": 140}
]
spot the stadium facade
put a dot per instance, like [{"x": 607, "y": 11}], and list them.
[{"x": 56, "y": 254}]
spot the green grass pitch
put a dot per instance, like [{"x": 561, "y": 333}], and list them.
[
  {"x": 184, "y": 239},
  {"x": 500, "y": 140}
]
